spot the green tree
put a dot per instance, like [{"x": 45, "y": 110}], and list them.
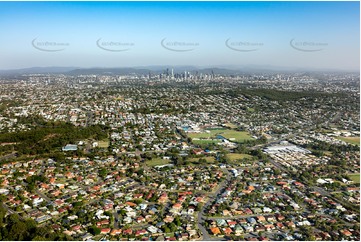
[
  {"x": 94, "y": 230},
  {"x": 166, "y": 229},
  {"x": 177, "y": 221}
]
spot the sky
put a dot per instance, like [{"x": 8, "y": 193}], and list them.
[{"x": 314, "y": 35}]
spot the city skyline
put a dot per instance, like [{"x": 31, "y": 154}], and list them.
[{"x": 309, "y": 35}]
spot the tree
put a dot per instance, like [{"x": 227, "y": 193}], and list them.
[
  {"x": 122, "y": 212},
  {"x": 173, "y": 227},
  {"x": 39, "y": 238},
  {"x": 77, "y": 204},
  {"x": 202, "y": 160},
  {"x": 103, "y": 172},
  {"x": 166, "y": 229},
  {"x": 199, "y": 207},
  {"x": 18, "y": 230},
  {"x": 94, "y": 230},
  {"x": 42, "y": 231},
  {"x": 177, "y": 221}
]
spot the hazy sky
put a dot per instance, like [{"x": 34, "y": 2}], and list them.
[{"x": 118, "y": 34}]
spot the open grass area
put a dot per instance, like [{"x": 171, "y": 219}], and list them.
[
  {"x": 325, "y": 152},
  {"x": 234, "y": 157},
  {"x": 103, "y": 143},
  {"x": 205, "y": 141},
  {"x": 157, "y": 162},
  {"x": 351, "y": 140},
  {"x": 328, "y": 153},
  {"x": 209, "y": 159},
  {"x": 232, "y": 135},
  {"x": 250, "y": 110},
  {"x": 355, "y": 177},
  {"x": 239, "y": 136},
  {"x": 202, "y": 135},
  {"x": 119, "y": 98}
]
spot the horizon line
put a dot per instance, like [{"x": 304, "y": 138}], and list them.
[{"x": 230, "y": 67}]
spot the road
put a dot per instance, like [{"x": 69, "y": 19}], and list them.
[
  {"x": 323, "y": 192},
  {"x": 279, "y": 166},
  {"x": 8, "y": 156},
  {"x": 116, "y": 220},
  {"x": 10, "y": 211},
  {"x": 251, "y": 215},
  {"x": 213, "y": 196},
  {"x": 42, "y": 196},
  {"x": 334, "y": 119},
  {"x": 89, "y": 118}
]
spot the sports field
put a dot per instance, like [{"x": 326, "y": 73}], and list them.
[
  {"x": 232, "y": 135},
  {"x": 239, "y": 136},
  {"x": 205, "y": 141}
]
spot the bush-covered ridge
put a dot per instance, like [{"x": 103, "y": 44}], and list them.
[{"x": 49, "y": 136}]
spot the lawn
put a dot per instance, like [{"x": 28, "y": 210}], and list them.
[
  {"x": 205, "y": 141},
  {"x": 232, "y": 135},
  {"x": 239, "y": 136},
  {"x": 355, "y": 177},
  {"x": 157, "y": 162},
  {"x": 234, "y": 157},
  {"x": 103, "y": 143},
  {"x": 250, "y": 110},
  {"x": 327, "y": 153},
  {"x": 351, "y": 140},
  {"x": 202, "y": 135},
  {"x": 209, "y": 159}
]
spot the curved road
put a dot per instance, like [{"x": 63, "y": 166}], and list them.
[{"x": 203, "y": 230}]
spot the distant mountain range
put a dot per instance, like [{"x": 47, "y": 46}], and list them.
[
  {"x": 144, "y": 70},
  {"x": 118, "y": 71},
  {"x": 38, "y": 70}
]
